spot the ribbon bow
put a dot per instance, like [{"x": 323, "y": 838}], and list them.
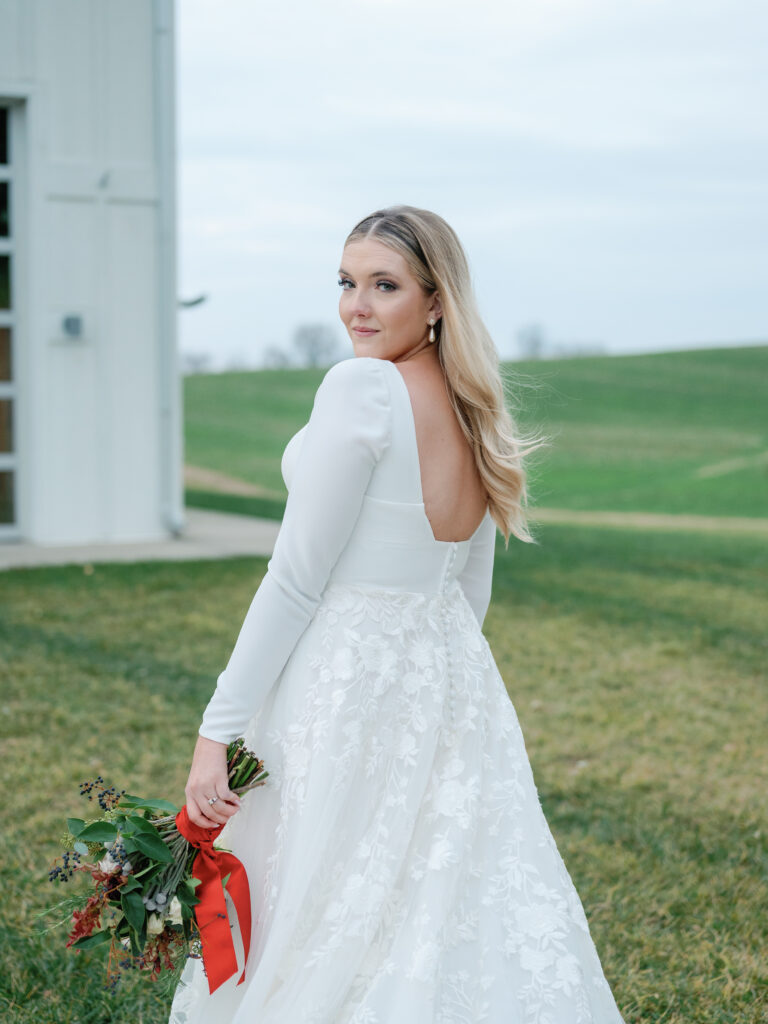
[{"x": 211, "y": 866}]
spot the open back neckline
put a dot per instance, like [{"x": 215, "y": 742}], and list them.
[{"x": 415, "y": 442}]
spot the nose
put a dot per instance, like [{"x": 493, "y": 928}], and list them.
[{"x": 359, "y": 305}]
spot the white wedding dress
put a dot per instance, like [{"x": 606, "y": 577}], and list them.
[{"x": 401, "y": 868}]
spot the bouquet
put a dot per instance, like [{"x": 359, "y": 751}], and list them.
[{"x": 157, "y": 882}]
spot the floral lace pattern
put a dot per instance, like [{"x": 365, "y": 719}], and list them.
[{"x": 400, "y": 863}]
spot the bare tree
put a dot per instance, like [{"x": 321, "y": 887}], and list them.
[
  {"x": 195, "y": 362},
  {"x": 315, "y": 344},
  {"x": 275, "y": 357},
  {"x": 238, "y": 361},
  {"x": 531, "y": 342}
]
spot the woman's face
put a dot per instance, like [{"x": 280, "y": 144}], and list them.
[{"x": 382, "y": 305}]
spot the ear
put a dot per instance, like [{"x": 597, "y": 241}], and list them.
[{"x": 435, "y": 309}]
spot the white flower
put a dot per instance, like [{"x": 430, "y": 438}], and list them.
[
  {"x": 343, "y": 663},
  {"x": 296, "y": 762},
  {"x": 441, "y": 854},
  {"x": 362, "y": 896},
  {"x": 377, "y": 656},
  {"x": 421, "y": 653},
  {"x": 155, "y": 924},
  {"x": 539, "y": 921},
  {"x": 408, "y": 747},
  {"x": 174, "y": 911},
  {"x": 568, "y": 972},
  {"x": 412, "y": 682},
  {"x": 108, "y": 865},
  {"x": 535, "y": 960},
  {"x": 450, "y": 798},
  {"x": 453, "y": 769}
]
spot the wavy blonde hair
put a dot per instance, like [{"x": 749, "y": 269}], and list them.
[{"x": 467, "y": 355}]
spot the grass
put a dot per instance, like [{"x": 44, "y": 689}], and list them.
[
  {"x": 675, "y": 432},
  {"x": 637, "y": 664}
]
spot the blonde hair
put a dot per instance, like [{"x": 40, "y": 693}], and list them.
[{"x": 467, "y": 355}]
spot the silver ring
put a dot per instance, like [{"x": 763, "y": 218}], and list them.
[{"x": 213, "y": 800}]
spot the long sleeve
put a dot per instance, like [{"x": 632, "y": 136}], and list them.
[
  {"x": 348, "y": 432},
  {"x": 476, "y": 577}
]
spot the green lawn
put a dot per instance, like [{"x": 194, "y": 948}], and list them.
[
  {"x": 636, "y": 661},
  {"x": 676, "y": 432}
]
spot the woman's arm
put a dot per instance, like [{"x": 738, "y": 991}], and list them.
[{"x": 348, "y": 432}]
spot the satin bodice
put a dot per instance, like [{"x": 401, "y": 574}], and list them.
[{"x": 392, "y": 543}]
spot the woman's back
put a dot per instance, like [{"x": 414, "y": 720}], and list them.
[
  {"x": 379, "y": 527},
  {"x": 455, "y": 499}
]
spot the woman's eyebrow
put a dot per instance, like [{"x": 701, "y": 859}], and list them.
[{"x": 375, "y": 273}]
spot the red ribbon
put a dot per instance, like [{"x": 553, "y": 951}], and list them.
[{"x": 211, "y": 867}]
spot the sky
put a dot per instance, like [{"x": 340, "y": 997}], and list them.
[{"x": 604, "y": 163}]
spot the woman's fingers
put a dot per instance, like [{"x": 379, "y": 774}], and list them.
[
  {"x": 209, "y": 815},
  {"x": 215, "y": 813},
  {"x": 210, "y": 802},
  {"x": 203, "y": 814}
]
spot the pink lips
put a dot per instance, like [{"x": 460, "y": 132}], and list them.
[{"x": 365, "y": 331}]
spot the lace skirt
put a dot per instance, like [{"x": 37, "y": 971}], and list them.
[{"x": 401, "y": 868}]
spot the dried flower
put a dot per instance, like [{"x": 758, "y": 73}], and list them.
[
  {"x": 174, "y": 911},
  {"x": 108, "y": 865},
  {"x": 155, "y": 924}
]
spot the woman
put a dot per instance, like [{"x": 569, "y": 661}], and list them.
[{"x": 401, "y": 869}]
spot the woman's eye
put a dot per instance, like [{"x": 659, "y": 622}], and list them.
[
  {"x": 344, "y": 281},
  {"x": 386, "y": 286}
]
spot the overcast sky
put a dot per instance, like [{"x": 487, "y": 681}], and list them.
[{"x": 605, "y": 163}]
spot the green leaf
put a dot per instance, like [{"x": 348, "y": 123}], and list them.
[
  {"x": 154, "y": 847},
  {"x": 186, "y": 895},
  {"x": 75, "y": 825},
  {"x": 138, "y": 803},
  {"x": 81, "y": 848},
  {"x": 134, "y": 909},
  {"x": 98, "y": 832},
  {"x": 141, "y": 824},
  {"x": 89, "y": 941},
  {"x": 130, "y": 885}
]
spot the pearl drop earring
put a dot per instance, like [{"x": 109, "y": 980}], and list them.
[{"x": 431, "y": 330}]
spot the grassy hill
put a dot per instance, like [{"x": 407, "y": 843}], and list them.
[
  {"x": 677, "y": 432},
  {"x": 637, "y": 665}
]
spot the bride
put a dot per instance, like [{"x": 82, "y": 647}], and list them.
[{"x": 400, "y": 866}]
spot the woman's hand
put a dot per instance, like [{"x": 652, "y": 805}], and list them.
[{"x": 208, "y": 781}]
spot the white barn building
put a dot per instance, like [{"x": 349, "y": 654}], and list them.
[{"x": 90, "y": 393}]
